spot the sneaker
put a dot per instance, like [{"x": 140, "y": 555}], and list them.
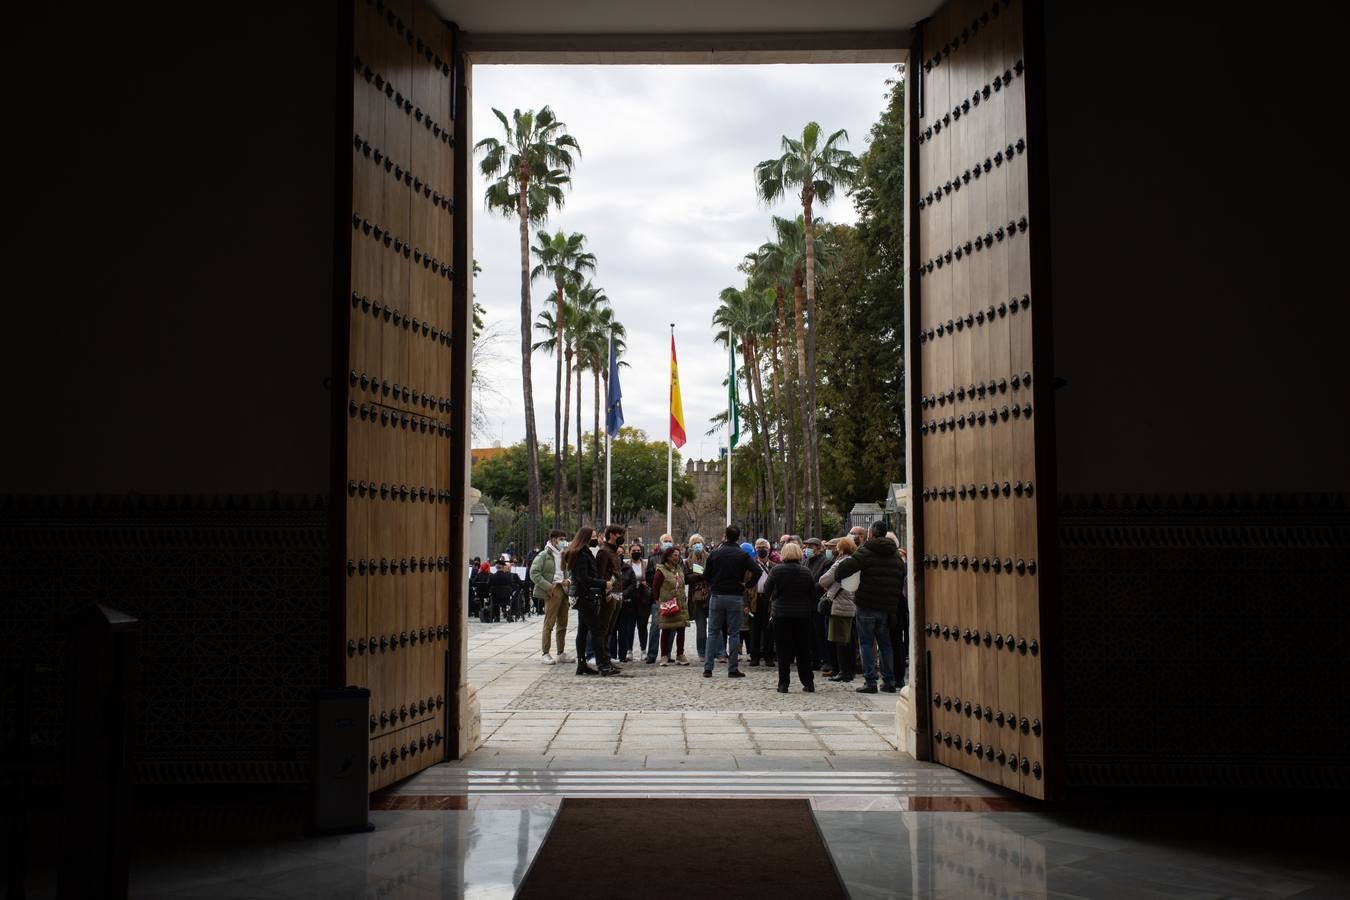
[
  {"x": 649, "y": 660},
  {"x": 721, "y": 659},
  {"x": 888, "y": 689},
  {"x": 590, "y": 664},
  {"x": 680, "y": 660},
  {"x": 582, "y": 670},
  {"x": 665, "y": 661},
  {"x": 707, "y": 674},
  {"x": 590, "y": 661},
  {"x": 735, "y": 673},
  {"x": 548, "y": 660},
  {"x": 867, "y": 689},
  {"x": 563, "y": 658},
  {"x": 808, "y": 688}
]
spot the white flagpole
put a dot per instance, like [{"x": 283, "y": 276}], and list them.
[
  {"x": 732, "y": 362},
  {"x": 670, "y": 461}
]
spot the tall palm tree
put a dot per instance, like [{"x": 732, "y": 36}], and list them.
[
  {"x": 743, "y": 315},
  {"x": 817, "y": 169},
  {"x": 547, "y": 327},
  {"x": 563, "y": 258},
  {"x": 528, "y": 167},
  {"x": 783, "y": 260},
  {"x": 591, "y": 301},
  {"x": 598, "y": 323}
]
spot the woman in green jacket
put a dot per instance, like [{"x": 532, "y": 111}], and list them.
[{"x": 667, "y": 585}]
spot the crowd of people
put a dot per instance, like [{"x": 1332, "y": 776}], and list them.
[{"x": 837, "y": 607}]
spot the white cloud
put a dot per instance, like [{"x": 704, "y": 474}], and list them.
[{"x": 664, "y": 193}]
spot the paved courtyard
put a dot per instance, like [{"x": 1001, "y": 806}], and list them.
[{"x": 663, "y": 718}]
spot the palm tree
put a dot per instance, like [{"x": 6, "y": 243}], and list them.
[
  {"x": 529, "y": 169},
  {"x": 547, "y": 327},
  {"x": 598, "y": 324},
  {"x": 560, "y": 256},
  {"x": 744, "y": 314},
  {"x": 783, "y": 262},
  {"x": 818, "y": 169}
]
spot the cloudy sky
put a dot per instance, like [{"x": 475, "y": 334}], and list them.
[{"x": 664, "y": 193}]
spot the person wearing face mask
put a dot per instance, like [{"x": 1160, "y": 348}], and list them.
[
  {"x": 694, "y": 564},
  {"x": 637, "y": 605},
  {"x": 549, "y": 578},
  {"x": 761, "y": 622},
  {"x": 611, "y": 569},
  {"x": 822, "y": 658},
  {"x": 838, "y": 601},
  {"x": 664, "y": 543},
  {"x": 581, "y": 561}
]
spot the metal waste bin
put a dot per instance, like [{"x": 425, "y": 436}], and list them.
[{"x": 341, "y": 782}]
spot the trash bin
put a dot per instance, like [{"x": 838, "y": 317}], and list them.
[{"x": 341, "y": 748}]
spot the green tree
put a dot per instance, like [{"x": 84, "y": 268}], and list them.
[
  {"x": 528, "y": 167},
  {"x": 743, "y": 316},
  {"x": 563, "y": 258},
  {"x": 596, "y": 323},
  {"x": 862, "y": 424},
  {"x": 817, "y": 169}
]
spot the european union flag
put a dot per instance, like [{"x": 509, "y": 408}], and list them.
[{"x": 614, "y": 403}]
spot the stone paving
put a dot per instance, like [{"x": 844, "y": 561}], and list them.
[{"x": 664, "y": 717}]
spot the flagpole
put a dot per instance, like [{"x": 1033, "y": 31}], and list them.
[
  {"x": 670, "y": 464},
  {"x": 731, "y": 343},
  {"x": 609, "y": 469}
]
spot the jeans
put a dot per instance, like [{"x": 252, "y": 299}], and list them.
[
  {"x": 724, "y": 621},
  {"x": 699, "y": 613},
  {"x": 793, "y": 637},
  {"x": 871, "y": 626},
  {"x": 653, "y": 633}
]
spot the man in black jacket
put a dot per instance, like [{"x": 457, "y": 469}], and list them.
[
  {"x": 877, "y": 599},
  {"x": 728, "y": 570}
]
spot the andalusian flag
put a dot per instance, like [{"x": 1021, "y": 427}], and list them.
[
  {"x": 733, "y": 400},
  {"x": 676, "y": 407}
]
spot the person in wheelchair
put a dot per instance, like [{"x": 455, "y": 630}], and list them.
[
  {"x": 482, "y": 594},
  {"x": 502, "y": 586}
]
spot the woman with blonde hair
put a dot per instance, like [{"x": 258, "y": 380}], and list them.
[
  {"x": 791, "y": 591},
  {"x": 672, "y": 604},
  {"x": 838, "y": 602}
]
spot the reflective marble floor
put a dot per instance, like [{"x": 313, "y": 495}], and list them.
[
  {"x": 914, "y": 848},
  {"x": 485, "y": 853}
]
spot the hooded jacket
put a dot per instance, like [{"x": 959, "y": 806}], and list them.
[{"x": 883, "y": 575}]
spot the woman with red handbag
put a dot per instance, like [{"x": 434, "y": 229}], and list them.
[{"x": 671, "y": 603}]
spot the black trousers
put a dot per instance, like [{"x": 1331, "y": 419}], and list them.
[
  {"x": 822, "y": 654},
  {"x": 644, "y": 622},
  {"x": 793, "y": 637},
  {"x": 761, "y": 632},
  {"x": 846, "y": 655},
  {"x": 592, "y": 617}
]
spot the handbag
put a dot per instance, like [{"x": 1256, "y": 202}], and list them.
[
  {"x": 670, "y": 607},
  {"x": 851, "y": 583}
]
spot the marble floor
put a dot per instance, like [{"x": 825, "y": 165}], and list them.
[{"x": 484, "y": 853}]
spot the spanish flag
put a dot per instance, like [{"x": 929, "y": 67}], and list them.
[{"x": 676, "y": 407}]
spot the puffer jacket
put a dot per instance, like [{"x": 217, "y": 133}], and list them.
[
  {"x": 841, "y": 601},
  {"x": 883, "y": 575}
]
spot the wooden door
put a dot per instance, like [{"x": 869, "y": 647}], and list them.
[
  {"x": 397, "y": 492},
  {"x": 982, "y": 409}
]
